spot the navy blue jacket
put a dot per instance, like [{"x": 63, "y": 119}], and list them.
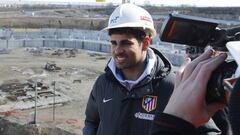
[{"x": 113, "y": 110}]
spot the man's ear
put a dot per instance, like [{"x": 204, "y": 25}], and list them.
[{"x": 146, "y": 42}]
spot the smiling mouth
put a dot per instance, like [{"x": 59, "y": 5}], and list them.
[{"x": 120, "y": 59}]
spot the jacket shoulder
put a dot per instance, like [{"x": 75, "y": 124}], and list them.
[
  {"x": 103, "y": 85},
  {"x": 167, "y": 81}
]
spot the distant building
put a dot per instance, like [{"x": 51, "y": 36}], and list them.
[
  {"x": 100, "y": 1},
  {"x": 125, "y": 1}
]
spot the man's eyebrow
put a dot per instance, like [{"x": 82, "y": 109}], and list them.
[{"x": 126, "y": 41}]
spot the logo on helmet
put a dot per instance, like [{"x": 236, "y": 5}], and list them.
[
  {"x": 145, "y": 18},
  {"x": 114, "y": 20}
]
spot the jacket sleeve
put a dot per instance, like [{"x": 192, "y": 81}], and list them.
[
  {"x": 165, "y": 124},
  {"x": 234, "y": 108},
  {"x": 210, "y": 128},
  {"x": 92, "y": 114}
]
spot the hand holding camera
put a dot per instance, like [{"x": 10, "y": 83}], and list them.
[
  {"x": 190, "y": 89},
  {"x": 198, "y": 33}
]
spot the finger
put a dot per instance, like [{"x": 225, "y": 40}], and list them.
[
  {"x": 198, "y": 68},
  {"x": 195, "y": 62},
  {"x": 180, "y": 71},
  {"x": 206, "y": 69},
  {"x": 202, "y": 63},
  {"x": 203, "y": 71}
]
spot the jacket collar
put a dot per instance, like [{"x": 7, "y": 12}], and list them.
[{"x": 150, "y": 61}]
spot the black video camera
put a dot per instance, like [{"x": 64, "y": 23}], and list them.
[{"x": 197, "y": 33}]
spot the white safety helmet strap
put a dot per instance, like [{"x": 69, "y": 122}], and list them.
[{"x": 130, "y": 15}]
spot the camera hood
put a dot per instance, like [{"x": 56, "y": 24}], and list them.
[{"x": 188, "y": 30}]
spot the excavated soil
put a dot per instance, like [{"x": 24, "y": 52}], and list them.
[{"x": 75, "y": 80}]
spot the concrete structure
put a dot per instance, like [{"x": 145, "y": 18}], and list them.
[
  {"x": 74, "y": 38},
  {"x": 175, "y": 56}
]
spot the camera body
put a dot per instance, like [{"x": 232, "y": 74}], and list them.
[{"x": 197, "y": 33}]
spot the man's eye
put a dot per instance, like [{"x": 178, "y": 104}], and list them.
[
  {"x": 126, "y": 43},
  {"x": 113, "y": 43}
]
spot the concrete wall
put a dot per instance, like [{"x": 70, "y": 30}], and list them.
[
  {"x": 175, "y": 56},
  {"x": 48, "y": 33},
  {"x": 99, "y": 46}
]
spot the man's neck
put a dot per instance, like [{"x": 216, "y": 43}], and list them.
[{"x": 133, "y": 74}]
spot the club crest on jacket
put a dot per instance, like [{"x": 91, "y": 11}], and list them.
[{"x": 149, "y": 103}]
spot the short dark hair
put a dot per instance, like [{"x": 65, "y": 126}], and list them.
[{"x": 137, "y": 33}]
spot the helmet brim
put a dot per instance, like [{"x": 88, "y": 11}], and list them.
[{"x": 133, "y": 25}]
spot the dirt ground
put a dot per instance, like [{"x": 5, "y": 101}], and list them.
[{"x": 75, "y": 80}]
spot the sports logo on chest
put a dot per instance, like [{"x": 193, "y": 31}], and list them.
[{"x": 149, "y": 103}]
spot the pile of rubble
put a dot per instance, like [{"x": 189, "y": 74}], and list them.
[
  {"x": 51, "y": 66},
  {"x": 35, "y": 51},
  {"x": 24, "y": 94},
  {"x": 4, "y": 51},
  {"x": 68, "y": 52}
]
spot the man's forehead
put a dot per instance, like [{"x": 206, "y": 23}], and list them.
[
  {"x": 121, "y": 37},
  {"x": 121, "y": 40}
]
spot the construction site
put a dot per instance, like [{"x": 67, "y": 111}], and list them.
[
  {"x": 45, "y": 83},
  {"x": 46, "y": 88},
  {"x": 50, "y": 57}
]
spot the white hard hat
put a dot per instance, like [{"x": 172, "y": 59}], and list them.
[{"x": 130, "y": 15}]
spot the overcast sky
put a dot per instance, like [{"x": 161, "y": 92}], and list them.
[{"x": 229, "y": 3}]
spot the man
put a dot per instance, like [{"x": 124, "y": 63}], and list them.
[{"x": 137, "y": 81}]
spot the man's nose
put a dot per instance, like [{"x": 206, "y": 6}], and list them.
[{"x": 118, "y": 49}]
